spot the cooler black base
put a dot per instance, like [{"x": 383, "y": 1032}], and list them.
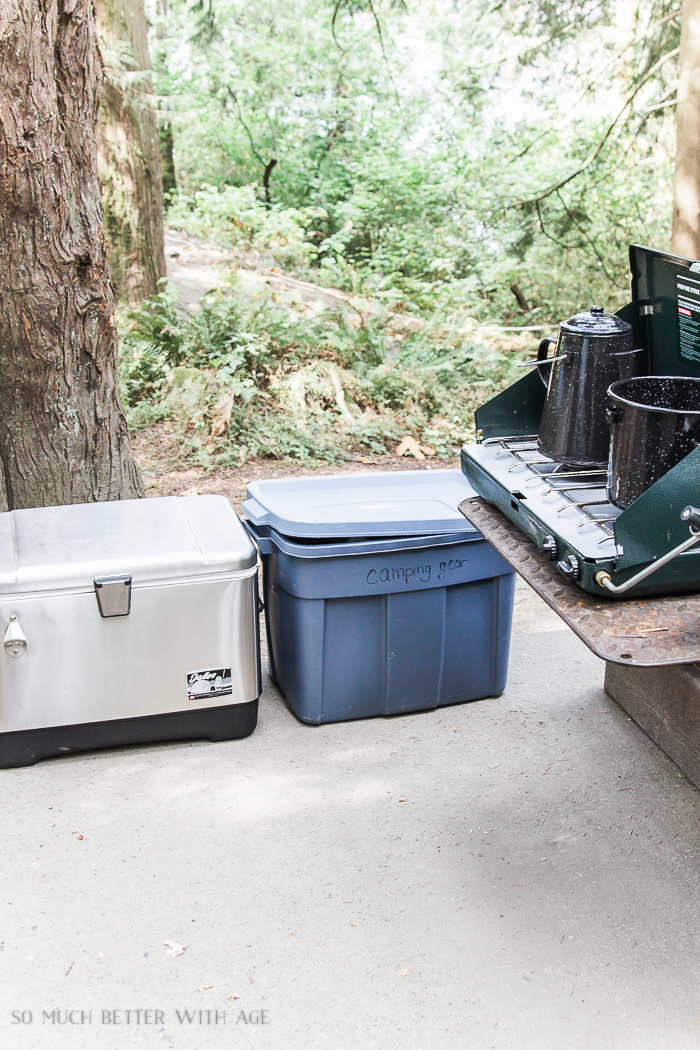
[{"x": 25, "y": 747}]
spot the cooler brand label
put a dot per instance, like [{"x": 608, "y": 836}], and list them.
[
  {"x": 205, "y": 685},
  {"x": 689, "y": 317}
]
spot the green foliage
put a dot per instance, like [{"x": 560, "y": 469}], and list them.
[
  {"x": 243, "y": 377},
  {"x": 235, "y": 217},
  {"x": 410, "y": 161},
  {"x": 432, "y": 159}
]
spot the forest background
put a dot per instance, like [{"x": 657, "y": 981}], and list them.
[{"x": 467, "y": 173}]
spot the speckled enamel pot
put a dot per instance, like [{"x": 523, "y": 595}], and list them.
[{"x": 654, "y": 423}]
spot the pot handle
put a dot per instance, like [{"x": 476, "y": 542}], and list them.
[{"x": 542, "y": 351}]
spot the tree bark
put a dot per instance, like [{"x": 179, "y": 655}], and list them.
[
  {"x": 165, "y": 131},
  {"x": 130, "y": 164},
  {"x": 63, "y": 435},
  {"x": 685, "y": 234},
  {"x": 167, "y": 159}
]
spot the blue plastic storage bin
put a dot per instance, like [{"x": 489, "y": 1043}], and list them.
[{"x": 381, "y": 626}]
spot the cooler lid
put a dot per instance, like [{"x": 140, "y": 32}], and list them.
[
  {"x": 167, "y": 537},
  {"x": 400, "y": 503}
]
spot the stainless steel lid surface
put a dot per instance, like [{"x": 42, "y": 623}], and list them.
[{"x": 168, "y": 537}]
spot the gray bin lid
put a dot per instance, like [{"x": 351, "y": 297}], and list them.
[
  {"x": 396, "y": 503},
  {"x": 167, "y": 537}
]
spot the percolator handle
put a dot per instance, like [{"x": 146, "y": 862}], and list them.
[{"x": 542, "y": 352}]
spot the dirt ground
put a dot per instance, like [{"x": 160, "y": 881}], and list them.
[
  {"x": 194, "y": 267},
  {"x": 155, "y": 451}
]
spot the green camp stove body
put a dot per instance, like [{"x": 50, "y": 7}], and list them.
[{"x": 566, "y": 512}]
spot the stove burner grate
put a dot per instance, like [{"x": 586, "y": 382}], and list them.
[{"x": 596, "y": 508}]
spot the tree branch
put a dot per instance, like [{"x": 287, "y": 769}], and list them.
[
  {"x": 583, "y": 233},
  {"x": 577, "y": 102},
  {"x": 386, "y": 60},
  {"x": 234, "y": 96},
  {"x": 519, "y": 295},
  {"x": 595, "y": 153},
  {"x": 266, "y": 179},
  {"x": 336, "y": 12}
]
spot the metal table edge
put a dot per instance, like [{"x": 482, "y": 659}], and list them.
[{"x": 636, "y": 632}]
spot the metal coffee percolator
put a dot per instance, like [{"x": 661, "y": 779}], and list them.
[{"x": 592, "y": 351}]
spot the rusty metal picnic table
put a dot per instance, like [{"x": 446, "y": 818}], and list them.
[{"x": 650, "y": 645}]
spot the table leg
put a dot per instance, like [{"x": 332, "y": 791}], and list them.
[{"x": 665, "y": 702}]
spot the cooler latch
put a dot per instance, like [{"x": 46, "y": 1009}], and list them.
[
  {"x": 113, "y": 595},
  {"x": 15, "y": 639}
]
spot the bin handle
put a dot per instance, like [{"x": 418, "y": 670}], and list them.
[
  {"x": 263, "y": 542},
  {"x": 254, "y": 511}
]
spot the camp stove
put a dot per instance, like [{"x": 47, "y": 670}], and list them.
[
  {"x": 556, "y": 507},
  {"x": 648, "y": 548}
]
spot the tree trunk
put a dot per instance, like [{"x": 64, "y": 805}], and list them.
[
  {"x": 63, "y": 435},
  {"x": 129, "y": 155},
  {"x": 167, "y": 159},
  {"x": 685, "y": 234},
  {"x": 165, "y": 131}
]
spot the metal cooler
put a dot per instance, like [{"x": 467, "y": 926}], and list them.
[{"x": 126, "y": 622}]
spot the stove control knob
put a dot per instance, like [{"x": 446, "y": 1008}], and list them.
[
  {"x": 548, "y": 546},
  {"x": 570, "y": 567},
  {"x": 691, "y": 516}
]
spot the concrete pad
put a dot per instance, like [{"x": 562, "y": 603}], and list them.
[
  {"x": 519, "y": 872},
  {"x": 531, "y": 614}
]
